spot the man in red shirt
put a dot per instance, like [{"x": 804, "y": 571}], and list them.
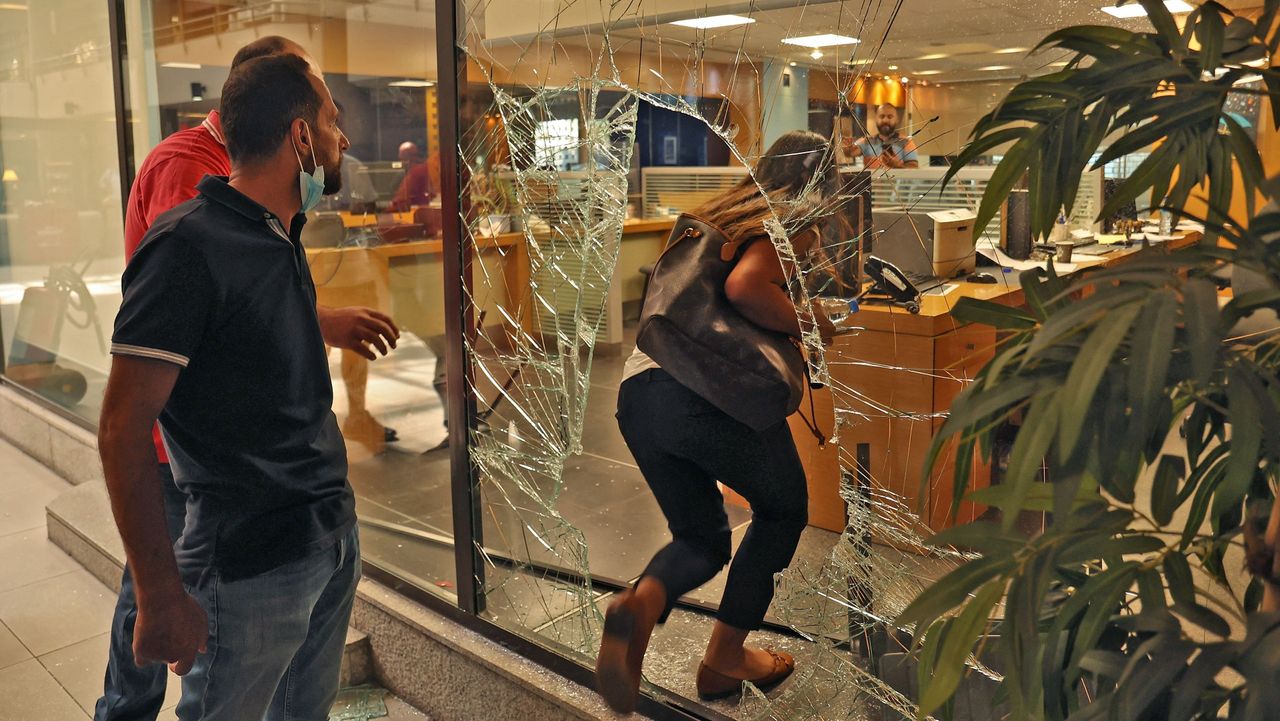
[
  {"x": 167, "y": 178},
  {"x": 418, "y": 184}
]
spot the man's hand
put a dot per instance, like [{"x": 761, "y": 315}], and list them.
[
  {"x": 891, "y": 160},
  {"x": 170, "y": 631},
  {"x": 358, "y": 329}
]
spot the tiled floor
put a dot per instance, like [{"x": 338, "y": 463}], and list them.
[{"x": 54, "y": 616}]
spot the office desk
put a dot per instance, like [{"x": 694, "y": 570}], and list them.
[
  {"x": 406, "y": 279},
  {"x": 894, "y": 379}
]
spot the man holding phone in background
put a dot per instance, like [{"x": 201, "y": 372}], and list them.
[{"x": 888, "y": 148}]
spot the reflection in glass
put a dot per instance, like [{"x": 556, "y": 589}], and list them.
[
  {"x": 374, "y": 244},
  {"x": 61, "y": 247}
]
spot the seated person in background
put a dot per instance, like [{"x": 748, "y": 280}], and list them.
[
  {"x": 888, "y": 148},
  {"x": 417, "y": 187}
]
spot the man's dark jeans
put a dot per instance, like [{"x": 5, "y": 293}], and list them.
[{"x": 131, "y": 693}]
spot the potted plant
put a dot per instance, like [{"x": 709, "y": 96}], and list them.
[{"x": 1125, "y": 607}]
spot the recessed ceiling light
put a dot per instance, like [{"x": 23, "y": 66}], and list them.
[
  {"x": 1135, "y": 9},
  {"x": 893, "y": 67},
  {"x": 792, "y": 63},
  {"x": 996, "y": 67},
  {"x": 816, "y": 54},
  {"x": 714, "y": 21},
  {"x": 821, "y": 41},
  {"x": 933, "y": 56},
  {"x": 182, "y": 66},
  {"x": 929, "y": 72},
  {"x": 1010, "y": 51},
  {"x": 905, "y": 80},
  {"x": 12, "y": 6},
  {"x": 411, "y": 84}
]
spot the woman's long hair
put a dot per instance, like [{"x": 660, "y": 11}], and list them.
[{"x": 798, "y": 177}]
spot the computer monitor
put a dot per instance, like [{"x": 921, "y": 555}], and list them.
[
  {"x": 926, "y": 244},
  {"x": 904, "y": 238}
]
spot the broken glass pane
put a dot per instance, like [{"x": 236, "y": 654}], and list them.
[{"x": 587, "y": 127}]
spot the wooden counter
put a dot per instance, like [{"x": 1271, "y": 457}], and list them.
[
  {"x": 894, "y": 378},
  {"x": 406, "y": 278}
]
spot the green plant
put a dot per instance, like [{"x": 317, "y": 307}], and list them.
[{"x": 1124, "y": 607}]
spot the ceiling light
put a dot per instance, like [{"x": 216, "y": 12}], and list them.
[
  {"x": 792, "y": 63},
  {"x": 893, "y": 67},
  {"x": 1010, "y": 51},
  {"x": 929, "y": 72},
  {"x": 905, "y": 80},
  {"x": 932, "y": 56},
  {"x": 1135, "y": 10},
  {"x": 821, "y": 41},
  {"x": 411, "y": 84},
  {"x": 182, "y": 66},
  {"x": 816, "y": 54},
  {"x": 10, "y": 175},
  {"x": 997, "y": 67},
  {"x": 714, "y": 21},
  {"x": 12, "y": 6}
]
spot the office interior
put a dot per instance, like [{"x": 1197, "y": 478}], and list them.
[{"x": 564, "y": 517}]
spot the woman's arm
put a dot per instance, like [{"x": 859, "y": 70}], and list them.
[
  {"x": 756, "y": 285},
  {"x": 755, "y": 288}
]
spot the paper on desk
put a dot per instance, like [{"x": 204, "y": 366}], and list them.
[
  {"x": 943, "y": 289},
  {"x": 1191, "y": 225},
  {"x": 1110, "y": 239},
  {"x": 990, "y": 250}
]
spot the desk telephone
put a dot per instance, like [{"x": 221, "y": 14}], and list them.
[{"x": 889, "y": 285}]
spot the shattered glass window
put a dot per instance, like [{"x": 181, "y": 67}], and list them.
[{"x": 586, "y": 128}]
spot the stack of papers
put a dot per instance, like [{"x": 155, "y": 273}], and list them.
[{"x": 989, "y": 249}]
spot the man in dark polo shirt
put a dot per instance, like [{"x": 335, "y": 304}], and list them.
[{"x": 218, "y": 337}]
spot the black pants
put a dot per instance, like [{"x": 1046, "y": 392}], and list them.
[{"x": 683, "y": 445}]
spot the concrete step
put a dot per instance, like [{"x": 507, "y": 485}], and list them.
[{"x": 80, "y": 523}]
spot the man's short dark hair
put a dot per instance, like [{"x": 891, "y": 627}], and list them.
[
  {"x": 260, "y": 101},
  {"x": 886, "y": 105},
  {"x": 260, "y": 48}
]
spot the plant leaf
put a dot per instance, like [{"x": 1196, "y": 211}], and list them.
[
  {"x": 1095, "y": 355},
  {"x": 950, "y": 663},
  {"x": 1164, "y": 489}
]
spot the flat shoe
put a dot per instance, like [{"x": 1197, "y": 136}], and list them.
[
  {"x": 617, "y": 666},
  {"x": 713, "y": 685}
]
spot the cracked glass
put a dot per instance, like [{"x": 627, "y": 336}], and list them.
[{"x": 586, "y": 128}]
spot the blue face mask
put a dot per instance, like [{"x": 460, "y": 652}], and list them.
[{"x": 310, "y": 185}]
